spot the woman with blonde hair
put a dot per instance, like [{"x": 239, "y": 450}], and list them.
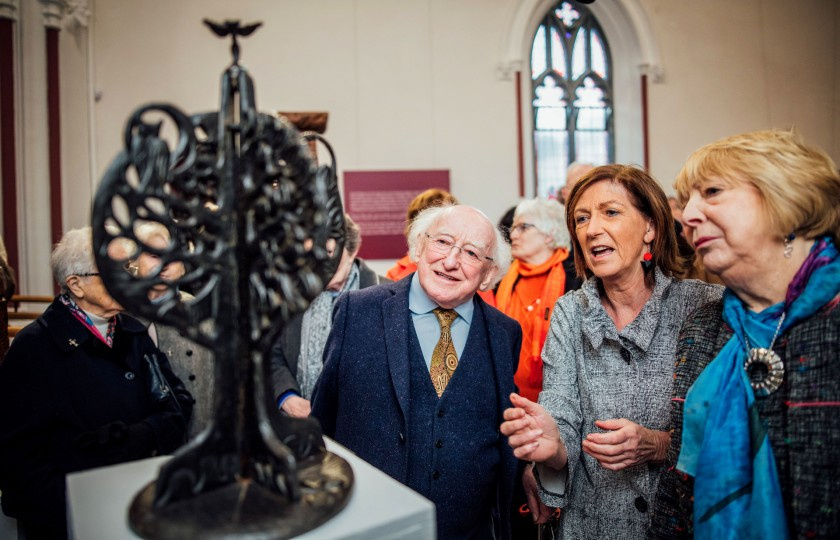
[{"x": 755, "y": 450}]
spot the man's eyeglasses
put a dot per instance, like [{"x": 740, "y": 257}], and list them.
[
  {"x": 89, "y": 274},
  {"x": 521, "y": 227},
  {"x": 443, "y": 246}
]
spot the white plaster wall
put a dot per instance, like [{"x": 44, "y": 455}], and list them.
[
  {"x": 732, "y": 67},
  {"x": 408, "y": 85},
  {"x": 412, "y": 84},
  {"x": 78, "y": 178}
]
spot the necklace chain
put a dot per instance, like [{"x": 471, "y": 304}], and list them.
[{"x": 775, "y": 334}]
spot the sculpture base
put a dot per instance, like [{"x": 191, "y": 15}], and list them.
[{"x": 247, "y": 509}]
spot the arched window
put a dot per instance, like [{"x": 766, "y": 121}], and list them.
[{"x": 571, "y": 74}]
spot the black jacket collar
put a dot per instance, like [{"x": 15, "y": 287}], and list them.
[{"x": 69, "y": 333}]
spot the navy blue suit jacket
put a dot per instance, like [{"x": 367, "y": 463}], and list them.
[{"x": 362, "y": 396}]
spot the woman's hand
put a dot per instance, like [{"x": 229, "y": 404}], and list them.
[
  {"x": 539, "y": 511},
  {"x": 625, "y": 444},
  {"x": 533, "y": 433}
]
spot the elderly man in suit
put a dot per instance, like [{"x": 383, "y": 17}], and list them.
[{"x": 417, "y": 374}]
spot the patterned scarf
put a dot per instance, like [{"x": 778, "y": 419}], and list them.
[
  {"x": 314, "y": 329},
  {"x": 85, "y": 318},
  {"x": 725, "y": 447}
]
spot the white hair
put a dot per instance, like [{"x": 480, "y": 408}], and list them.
[
  {"x": 548, "y": 216},
  {"x": 576, "y": 170},
  {"x": 500, "y": 250},
  {"x": 73, "y": 256}
]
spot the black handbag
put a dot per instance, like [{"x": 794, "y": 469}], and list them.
[{"x": 159, "y": 387}]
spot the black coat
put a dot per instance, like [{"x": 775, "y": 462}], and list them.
[{"x": 68, "y": 402}]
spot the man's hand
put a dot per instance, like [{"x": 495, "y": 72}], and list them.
[
  {"x": 296, "y": 406},
  {"x": 625, "y": 444},
  {"x": 533, "y": 433}
]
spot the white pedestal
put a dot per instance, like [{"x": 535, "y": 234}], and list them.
[{"x": 379, "y": 507}]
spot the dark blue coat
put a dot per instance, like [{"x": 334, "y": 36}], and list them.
[{"x": 362, "y": 398}]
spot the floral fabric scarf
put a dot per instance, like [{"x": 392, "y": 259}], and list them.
[{"x": 85, "y": 318}]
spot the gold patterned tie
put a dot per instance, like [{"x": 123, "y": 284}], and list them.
[{"x": 444, "y": 357}]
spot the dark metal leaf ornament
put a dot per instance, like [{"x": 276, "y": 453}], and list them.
[{"x": 259, "y": 229}]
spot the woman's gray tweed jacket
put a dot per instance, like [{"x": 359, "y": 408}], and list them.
[{"x": 593, "y": 372}]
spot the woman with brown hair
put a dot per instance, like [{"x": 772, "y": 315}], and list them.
[{"x": 600, "y": 430}]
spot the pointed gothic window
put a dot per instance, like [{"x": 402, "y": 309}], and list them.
[{"x": 572, "y": 94}]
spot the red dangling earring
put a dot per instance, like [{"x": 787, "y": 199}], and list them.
[{"x": 647, "y": 261}]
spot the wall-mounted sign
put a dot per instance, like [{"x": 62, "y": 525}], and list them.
[{"x": 377, "y": 201}]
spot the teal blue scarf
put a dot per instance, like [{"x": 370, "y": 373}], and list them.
[{"x": 725, "y": 445}]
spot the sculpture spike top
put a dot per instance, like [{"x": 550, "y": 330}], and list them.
[{"x": 259, "y": 228}]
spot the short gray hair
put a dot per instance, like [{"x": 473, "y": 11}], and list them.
[
  {"x": 500, "y": 251},
  {"x": 352, "y": 234},
  {"x": 72, "y": 256},
  {"x": 576, "y": 170},
  {"x": 549, "y": 217}
]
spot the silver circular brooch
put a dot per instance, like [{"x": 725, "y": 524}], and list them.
[{"x": 765, "y": 370}]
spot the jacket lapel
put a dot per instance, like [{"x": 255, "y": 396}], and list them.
[
  {"x": 62, "y": 326},
  {"x": 500, "y": 347},
  {"x": 397, "y": 318}
]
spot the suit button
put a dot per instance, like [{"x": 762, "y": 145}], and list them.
[
  {"x": 641, "y": 504},
  {"x": 192, "y": 376},
  {"x": 441, "y": 412},
  {"x": 189, "y": 352},
  {"x": 439, "y": 444},
  {"x": 402, "y": 438},
  {"x": 435, "y": 475}
]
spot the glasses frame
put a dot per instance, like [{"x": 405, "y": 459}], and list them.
[
  {"x": 438, "y": 238},
  {"x": 87, "y": 274},
  {"x": 521, "y": 227}
]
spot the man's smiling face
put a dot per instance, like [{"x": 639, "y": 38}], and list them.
[{"x": 449, "y": 278}]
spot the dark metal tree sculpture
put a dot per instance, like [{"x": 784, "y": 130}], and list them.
[{"x": 260, "y": 229}]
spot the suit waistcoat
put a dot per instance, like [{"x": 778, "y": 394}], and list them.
[{"x": 453, "y": 440}]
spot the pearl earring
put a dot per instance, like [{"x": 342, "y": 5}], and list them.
[{"x": 788, "y": 253}]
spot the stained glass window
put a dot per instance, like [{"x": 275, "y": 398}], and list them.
[{"x": 572, "y": 94}]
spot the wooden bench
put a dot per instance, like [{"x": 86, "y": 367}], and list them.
[{"x": 18, "y": 318}]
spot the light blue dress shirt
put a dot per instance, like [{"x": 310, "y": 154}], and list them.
[{"x": 426, "y": 323}]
